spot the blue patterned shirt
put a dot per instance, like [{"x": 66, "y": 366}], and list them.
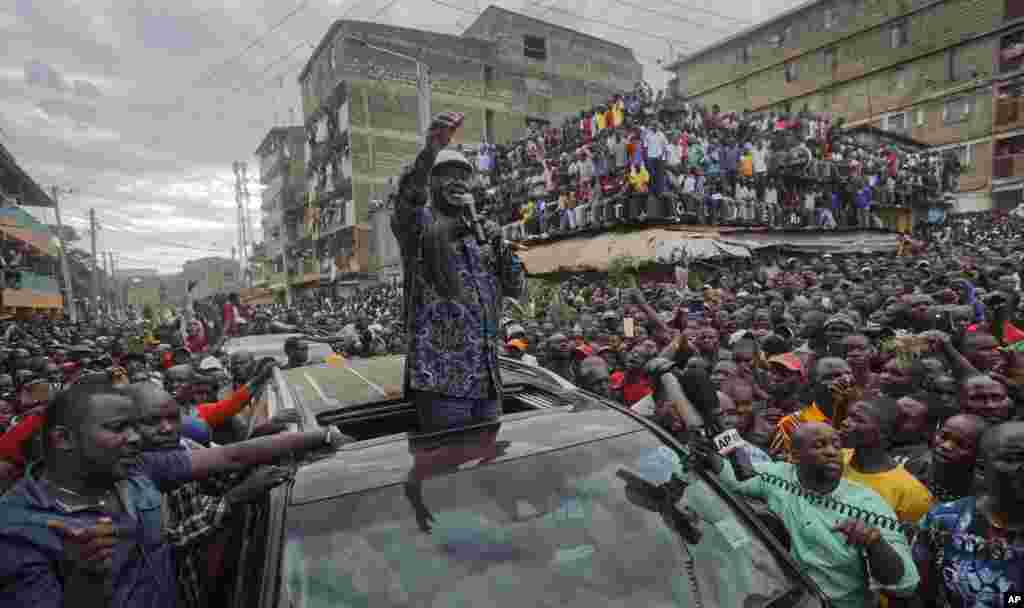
[
  {"x": 454, "y": 344},
  {"x": 979, "y": 568}
]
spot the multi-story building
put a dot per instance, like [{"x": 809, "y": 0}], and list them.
[
  {"x": 29, "y": 280},
  {"x": 282, "y": 156},
  {"x": 943, "y": 72},
  {"x": 213, "y": 276},
  {"x": 361, "y": 107}
]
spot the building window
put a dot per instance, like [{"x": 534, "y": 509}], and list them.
[
  {"x": 965, "y": 154},
  {"x": 1014, "y": 9},
  {"x": 745, "y": 53},
  {"x": 330, "y": 59},
  {"x": 488, "y": 76},
  {"x": 535, "y": 47},
  {"x": 779, "y": 40},
  {"x": 896, "y": 122},
  {"x": 829, "y": 57},
  {"x": 957, "y": 109},
  {"x": 901, "y": 77},
  {"x": 830, "y": 18},
  {"x": 791, "y": 71},
  {"x": 899, "y": 35},
  {"x": 955, "y": 67}
]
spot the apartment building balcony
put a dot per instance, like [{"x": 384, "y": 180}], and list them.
[{"x": 1008, "y": 160}]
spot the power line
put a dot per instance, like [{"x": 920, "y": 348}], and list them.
[
  {"x": 266, "y": 68},
  {"x": 129, "y": 232},
  {"x": 472, "y": 12},
  {"x": 708, "y": 12},
  {"x": 259, "y": 40},
  {"x": 609, "y": 24},
  {"x": 383, "y": 9},
  {"x": 675, "y": 17}
]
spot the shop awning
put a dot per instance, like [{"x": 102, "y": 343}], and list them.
[
  {"x": 594, "y": 253},
  {"x": 28, "y": 298},
  {"x": 855, "y": 241}
]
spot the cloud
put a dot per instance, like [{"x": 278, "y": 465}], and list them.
[
  {"x": 44, "y": 75},
  {"x": 84, "y": 88}
]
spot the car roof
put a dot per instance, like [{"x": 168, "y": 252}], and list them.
[
  {"x": 385, "y": 461},
  {"x": 272, "y": 345},
  {"x": 365, "y": 381}
]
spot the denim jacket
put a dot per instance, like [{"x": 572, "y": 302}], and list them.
[
  {"x": 32, "y": 555},
  {"x": 453, "y": 342}
]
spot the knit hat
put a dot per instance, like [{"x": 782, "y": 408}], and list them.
[{"x": 788, "y": 360}]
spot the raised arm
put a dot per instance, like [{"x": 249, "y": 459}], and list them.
[{"x": 414, "y": 182}]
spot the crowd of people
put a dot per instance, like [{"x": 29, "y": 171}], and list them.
[
  {"x": 875, "y": 400},
  {"x": 891, "y": 383},
  {"x": 638, "y": 158}
]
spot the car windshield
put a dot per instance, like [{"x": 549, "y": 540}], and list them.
[
  {"x": 351, "y": 383},
  {"x": 272, "y": 345},
  {"x": 553, "y": 529}
]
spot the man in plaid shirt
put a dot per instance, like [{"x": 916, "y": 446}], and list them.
[{"x": 195, "y": 511}]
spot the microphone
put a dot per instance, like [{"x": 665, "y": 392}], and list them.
[
  {"x": 469, "y": 204},
  {"x": 696, "y": 402}
]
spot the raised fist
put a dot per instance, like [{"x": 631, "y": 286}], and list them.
[{"x": 443, "y": 128}]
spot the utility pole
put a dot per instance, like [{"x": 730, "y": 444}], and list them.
[
  {"x": 105, "y": 282},
  {"x": 240, "y": 200},
  {"x": 115, "y": 304},
  {"x": 69, "y": 294},
  {"x": 94, "y": 292}
]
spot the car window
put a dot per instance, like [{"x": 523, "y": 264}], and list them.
[
  {"x": 352, "y": 383},
  {"x": 552, "y": 529}
]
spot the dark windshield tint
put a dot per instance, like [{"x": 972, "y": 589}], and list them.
[{"x": 555, "y": 529}]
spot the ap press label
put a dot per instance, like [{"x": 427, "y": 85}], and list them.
[
  {"x": 728, "y": 441},
  {"x": 1016, "y": 600}
]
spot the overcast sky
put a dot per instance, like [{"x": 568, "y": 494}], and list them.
[{"x": 140, "y": 107}]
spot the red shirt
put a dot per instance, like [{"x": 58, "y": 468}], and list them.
[{"x": 634, "y": 385}]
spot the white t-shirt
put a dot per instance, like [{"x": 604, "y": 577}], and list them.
[{"x": 760, "y": 156}]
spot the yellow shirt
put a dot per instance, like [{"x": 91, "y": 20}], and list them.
[
  {"x": 600, "y": 121},
  {"x": 907, "y": 496},
  {"x": 618, "y": 112},
  {"x": 639, "y": 178}
]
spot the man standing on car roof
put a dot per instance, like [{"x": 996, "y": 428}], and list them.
[{"x": 456, "y": 269}]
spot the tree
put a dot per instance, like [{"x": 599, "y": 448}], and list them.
[{"x": 147, "y": 312}]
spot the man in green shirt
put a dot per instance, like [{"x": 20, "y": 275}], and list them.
[{"x": 849, "y": 559}]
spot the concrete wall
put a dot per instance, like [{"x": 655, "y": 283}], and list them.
[{"x": 483, "y": 75}]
